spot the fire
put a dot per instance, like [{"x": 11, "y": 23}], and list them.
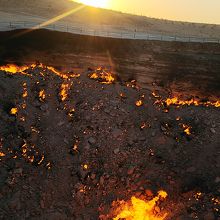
[
  {"x": 187, "y": 129},
  {"x": 103, "y": 76},
  {"x": 2, "y": 154},
  {"x": 42, "y": 95},
  {"x": 138, "y": 209},
  {"x": 139, "y": 103},
  {"x": 65, "y": 87},
  {"x": 178, "y": 102},
  {"x": 85, "y": 166},
  {"x": 25, "y": 92},
  {"x": 145, "y": 125},
  {"x": 14, "y": 69},
  {"x": 14, "y": 111},
  {"x": 63, "y": 75}
]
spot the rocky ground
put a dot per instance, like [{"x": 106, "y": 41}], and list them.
[{"x": 72, "y": 146}]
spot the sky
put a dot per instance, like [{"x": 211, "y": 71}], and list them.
[{"x": 201, "y": 11}]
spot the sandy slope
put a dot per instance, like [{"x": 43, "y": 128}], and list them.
[{"x": 91, "y": 16}]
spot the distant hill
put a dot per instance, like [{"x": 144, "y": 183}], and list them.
[{"x": 97, "y": 16}]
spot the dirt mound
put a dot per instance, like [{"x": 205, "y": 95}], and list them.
[{"x": 72, "y": 146}]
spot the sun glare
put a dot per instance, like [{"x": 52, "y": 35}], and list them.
[{"x": 95, "y": 3}]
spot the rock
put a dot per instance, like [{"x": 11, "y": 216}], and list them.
[
  {"x": 131, "y": 170},
  {"x": 116, "y": 151},
  {"x": 18, "y": 171},
  {"x": 212, "y": 130},
  {"x": 209, "y": 216},
  {"x": 82, "y": 174},
  {"x": 157, "y": 209},
  {"x": 107, "y": 110},
  {"x": 149, "y": 193},
  {"x": 191, "y": 170},
  {"x": 116, "y": 133},
  {"x": 153, "y": 133},
  {"x": 56, "y": 216},
  {"x": 61, "y": 123},
  {"x": 92, "y": 140},
  {"x": 217, "y": 179},
  {"x": 44, "y": 107},
  {"x": 42, "y": 205},
  {"x": 142, "y": 138},
  {"x": 66, "y": 141},
  {"x": 163, "y": 128},
  {"x": 93, "y": 176},
  {"x": 101, "y": 181}
]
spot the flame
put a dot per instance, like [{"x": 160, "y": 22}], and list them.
[
  {"x": 139, "y": 103},
  {"x": 138, "y": 209},
  {"x": 85, "y": 166},
  {"x": 2, "y": 154},
  {"x": 14, "y": 69},
  {"x": 71, "y": 112},
  {"x": 42, "y": 95},
  {"x": 63, "y": 75},
  {"x": 25, "y": 92},
  {"x": 103, "y": 76},
  {"x": 145, "y": 125},
  {"x": 187, "y": 129},
  {"x": 178, "y": 102},
  {"x": 65, "y": 87},
  {"x": 14, "y": 111}
]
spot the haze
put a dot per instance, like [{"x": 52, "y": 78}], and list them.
[{"x": 201, "y": 11}]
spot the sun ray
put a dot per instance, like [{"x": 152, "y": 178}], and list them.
[{"x": 52, "y": 20}]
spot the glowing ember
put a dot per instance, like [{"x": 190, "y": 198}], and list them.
[
  {"x": 63, "y": 75},
  {"x": 71, "y": 112},
  {"x": 65, "y": 87},
  {"x": 25, "y": 92},
  {"x": 103, "y": 76},
  {"x": 2, "y": 154},
  {"x": 85, "y": 166},
  {"x": 12, "y": 68},
  {"x": 144, "y": 125},
  {"x": 139, "y": 103},
  {"x": 42, "y": 95},
  {"x": 14, "y": 111},
  {"x": 178, "y": 102},
  {"x": 187, "y": 129},
  {"x": 138, "y": 209}
]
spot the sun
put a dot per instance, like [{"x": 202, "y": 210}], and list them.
[{"x": 95, "y": 3}]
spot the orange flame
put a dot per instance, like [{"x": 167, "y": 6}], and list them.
[
  {"x": 14, "y": 69},
  {"x": 138, "y": 209},
  {"x": 187, "y": 129},
  {"x": 14, "y": 111},
  {"x": 178, "y": 102},
  {"x": 65, "y": 87},
  {"x": 25, "y": 92},
  {"x": 2, "y": 154},
  {"x": 42, "y": 95},
  {"x": 139, "y": 103},
  {"x": 103, "y": 76}
]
